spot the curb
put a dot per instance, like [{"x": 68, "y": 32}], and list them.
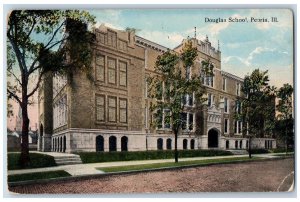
[{"x": 104, "y": 175}]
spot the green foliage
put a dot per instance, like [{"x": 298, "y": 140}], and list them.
[
  {"x": 36, "y": 161},
  {"x": 259, "y": 151},
  {"x": 41, "y": 41},
  {"x": 94, "y": 157},
  {"x": 174, "y": 74},
  {"x": 258, "y": 105},
  {"x": 285, "y": 120},
  {"x": 173, "y": 165},
  {"x": 281, "y": 150},
  {"x": 37, "y": 176}
]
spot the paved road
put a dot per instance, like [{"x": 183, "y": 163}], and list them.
[{"x": 274, "y": 175}]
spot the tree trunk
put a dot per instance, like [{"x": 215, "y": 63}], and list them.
[
  {"x": 286, "y": 140},
  {"x": 24, "y": 158},
  {"x": 176, "y": 151},
  {"x": 250, "y": 155}
]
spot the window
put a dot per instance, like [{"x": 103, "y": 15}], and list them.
[
  {"x": 226, "y": 126},
  {"x": 123, "y": 45},
  {"x": 238, "y": 89},
  {"x": 60, "y": 112},
  {"x": 100, "y": 108},
  {"x": 159, "y": 118},
  {"x": 183, "y": 120},
  {"x": 160, "y": 143},
  {"x": 226, "y": 105},
  {"x": 122, "y": 73},
  {"x": 100, "y": 67},
  {"x": 146, "y": 117},
  {"x": 184, "y": 144},
  {"x": 210, "y": 98},
  {"x": 224, "y": 84},
  {"x": 112, "y": 39},
  {"x": 188, "y": 100},
  {"x": 191, "y": 121},
  {"x": 192, "y": 144},
  {"x": 123, "y": 110},
  {"x": 238, "y": 127},
  {"x": 101, "y": 38},
  {"x": 163, "y": 119},
  {"x": 238, "y": 107},
  {"x": 166, "y": 118},
  {"x": 111, "y": 71},
  {"x": 188, "y": 73},
  {"x": 112, "y": 109},
  {"x": 159, "y": 90},
  {"x": 169, "y": 143},
  {"x": 187, "y": 121}
]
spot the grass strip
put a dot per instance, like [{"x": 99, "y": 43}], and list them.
[
  {"x": 283, "y": 155},
  {"x": 38, "y": 176},
  {"x": 172, "y": 164}
]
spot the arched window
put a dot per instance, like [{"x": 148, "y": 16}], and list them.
[
  {"x": 266, "y": 144},
  {"x": 241, "y": 144},
  {"x": 236, "y": 144},
  {"x": 124, "y": 143},
  {"x": 184, "y": 144},
  {"x": 160, "y": 143},
  {"x": 60, "y": 144},
  {"x": 192, "y": 144},
  {"x": 112, "y": 143},
  {"x": 41, "y": 130},
  {"x": 65, "y": 144},
  {"x": 227, "y": 144},
  {"x": 213, "y": 139},
  {"x": 99, "y": 143},
  {"x": 247, "y": 144},
  {"x": 169, "y": 143}
]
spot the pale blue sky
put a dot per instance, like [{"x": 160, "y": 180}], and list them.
[{"x": 244, "y": 46}]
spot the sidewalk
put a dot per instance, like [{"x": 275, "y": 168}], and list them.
[{"x": 89, "y": 169}]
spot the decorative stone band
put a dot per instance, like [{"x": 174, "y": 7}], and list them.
[
  {"x": 231, "y": 76},
  {"x": 150, "y": 44}
]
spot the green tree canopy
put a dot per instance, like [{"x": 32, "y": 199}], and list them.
[
  {"x": 41, "y": 41},
  {"x": 173, "y": 85}
]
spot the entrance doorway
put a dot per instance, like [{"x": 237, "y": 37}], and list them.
[
  {"x": 99, "y": 143},
  {"x": 213, "y": 138}
]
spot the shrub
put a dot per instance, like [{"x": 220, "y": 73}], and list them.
[
  {"x": 36, "y": 161},
  {"x": 259, "y": 151},
  {"x": 282, "y": 150},
  {"x": 93, "y": 157},
  {"x": 37, "y": 176}
]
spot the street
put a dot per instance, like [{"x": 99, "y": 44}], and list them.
[{"x": 262, "y": 176}]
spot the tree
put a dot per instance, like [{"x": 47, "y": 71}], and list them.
[
  {"x": 173, "y": 86},
  {"x": 256, "y": 109},
  {"x": 41, "y": 41},
  {"x": 285, "y": 121}
]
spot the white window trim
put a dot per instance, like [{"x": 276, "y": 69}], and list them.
[
  {"x": 224, "y": 83},
  {"x": 226, "y": 132}
]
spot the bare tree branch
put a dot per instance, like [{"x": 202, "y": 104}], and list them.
[
  {"x": 54, "y": 34},
  {"x": 12, "y": 94},
  {"x": 11, "y": 72},
  {"x": 37, "y": 85}
]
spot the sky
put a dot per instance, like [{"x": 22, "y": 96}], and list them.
[{"x": 245, "y": 46}]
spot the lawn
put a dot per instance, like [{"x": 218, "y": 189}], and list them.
[
  {"x": 36, "y": 161},
  {"x": 38, "y": 176},
  {"x": 172, "y": 164}
]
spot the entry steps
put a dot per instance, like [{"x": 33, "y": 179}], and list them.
[
  {"x": 238, "y": 151},
  {"x": 67, "y": 160}
]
